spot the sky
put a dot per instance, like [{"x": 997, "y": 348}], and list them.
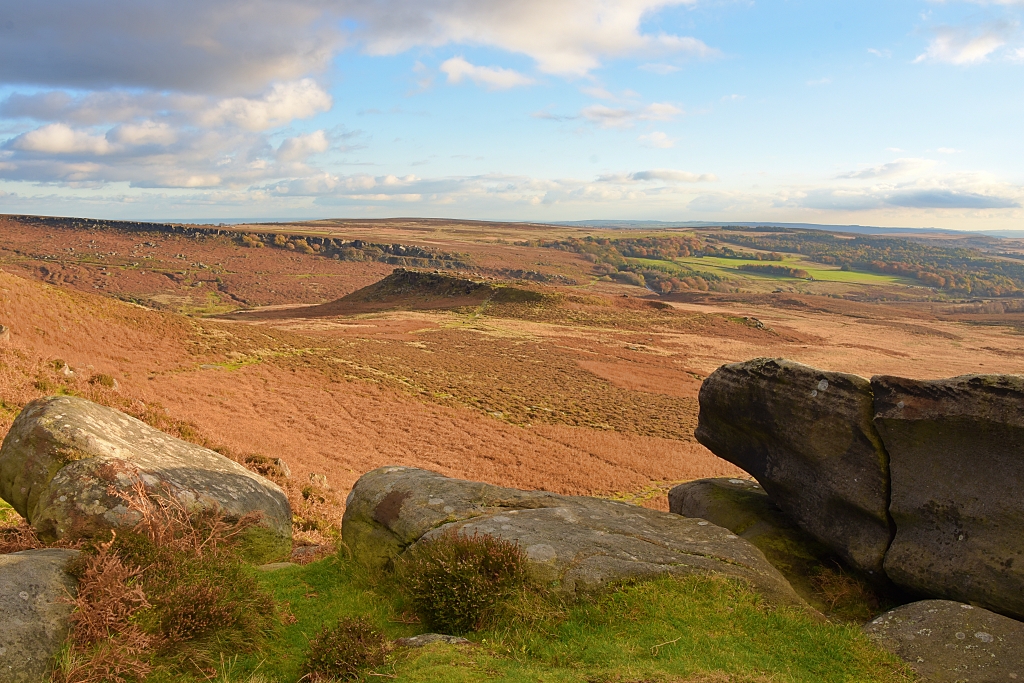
[{"x": 891, "y": 113}]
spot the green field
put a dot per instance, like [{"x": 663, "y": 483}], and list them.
[{"x": 729, "y": 268}]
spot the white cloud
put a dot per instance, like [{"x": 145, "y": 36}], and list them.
[
  {"x": 145, "y": 133},
  {"x": 279, "y": 105},
  {"x": 564, "y": 37},
  {"x": 963, "y": 46},
  {"x": 57, "y": 138},
  {"x": 491, "y": 77},
  {"x": 660, "y": 69},
  {"x": 662, "y": 175},
  {"x": 658, "y": 140},
  {"x": 285, "y": 102},
  {"x": 883, "y": 54},
  {"x": 302, "y": 146},
  {"x": 612, "y": 117},
  {"x": 894, "y": 168}
]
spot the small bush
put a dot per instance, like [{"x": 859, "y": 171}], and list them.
[
  {"x": 344, "y": 651},
  {"x": 107, "y": 644},
  {"x": 170, "y": 593},
  {"x": 455, "y": 581},
  {"x": 104, "y": 381}
]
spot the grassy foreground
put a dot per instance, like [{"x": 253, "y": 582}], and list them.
[{"x": 694, "y": 629}]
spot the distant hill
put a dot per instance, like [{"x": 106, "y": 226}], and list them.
[{"x": 858, "y": 229}]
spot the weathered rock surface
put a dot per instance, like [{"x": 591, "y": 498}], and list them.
[
  {"x": 744, "y": 508},
  {"x": 573, "y": 544},
  {"x": 949, "y": 642},
  {"x": 35, "y": 616},
  {"x": 808, "y": 438},
  {"x": 956, "y": 451},
  {"x": 63, "y": 455}
]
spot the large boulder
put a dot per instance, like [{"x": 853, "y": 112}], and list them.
[
  {"x": 67, "y": 464},
  {"x": 949, "y": 642},
  {"x": 956, "y": 450},
  {"x": 574, "y": 545},
  {"x": 808, "y": 438},
  {"x": 35, "y": 612},
  {"x": 742, "y": 507}
]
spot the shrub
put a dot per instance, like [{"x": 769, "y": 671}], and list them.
[
  {"x": 171, "y": 592},
  {"x": 344, "y": 651},
  {"x": 107, "y": 643},
  {"x": 104, "y": 381},
  {"x": 455, "y": 581}
]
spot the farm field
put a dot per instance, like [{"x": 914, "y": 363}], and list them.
[{"x": 731, "y": 268}]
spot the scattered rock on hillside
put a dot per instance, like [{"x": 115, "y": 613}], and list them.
[
  {"x": 65, "y": 459},
  {"x": 35, "y": 615},
  {"x": 949, "y": 642},
  {"x": 807, "y": 436},
  {"x": 573, "y": 544},
  {"x": 956, "y": 451},
  {"x": 425, "y": 639},
  {"x": 744, "y": 508}
]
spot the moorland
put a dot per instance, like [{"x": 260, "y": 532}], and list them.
[{"x": 524, "y": 355}]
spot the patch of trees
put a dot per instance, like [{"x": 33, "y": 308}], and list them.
[
  {"x": 611, "y": 260},
  {"x": 729, "y": 252},
  {"x": 780, "y": 271},
  {"x": 956, "y": 270}
]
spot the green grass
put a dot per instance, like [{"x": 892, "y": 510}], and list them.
[
  {"x": 8, "y": 517},
  {"x": 727, "y": 267},
  {"x": 664, "y": 630}
]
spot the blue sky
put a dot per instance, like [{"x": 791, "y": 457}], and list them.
[{"x": 897, "y": 113}]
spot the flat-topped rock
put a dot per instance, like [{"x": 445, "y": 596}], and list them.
[
  {"x": 35, "y": 613},
  {"x": 950, "y": 642},
  {"x": 956, "y": 450},
  {"x": 572, "y": 544},
  {"x": 65, "y": 460},
  {"x": 808, "y": 438}
]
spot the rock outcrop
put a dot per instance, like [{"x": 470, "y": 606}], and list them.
[
  {"x": 949, "y": 642},
  {"x": 65, "y": 460},
  {"x": 956, "y": 451},
  {"x": 35, "y": 613},
  {"x": 808, "y": 438},
  {"x": 572, "y": 544},
  {"x": 744, "y": 508}
]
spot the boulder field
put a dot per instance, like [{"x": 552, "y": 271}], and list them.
[
  {"x": 67, "y": 466},
  {"x": 917, "y": 482}
]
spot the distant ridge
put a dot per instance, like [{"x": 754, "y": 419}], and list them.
[{"x": 858, "y": 229}]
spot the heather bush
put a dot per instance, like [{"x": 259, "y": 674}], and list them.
[
  {"x": 344, "y": 651},
  {"x": 173, "y": 592},
  {"x": 455, "y": 581}
]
